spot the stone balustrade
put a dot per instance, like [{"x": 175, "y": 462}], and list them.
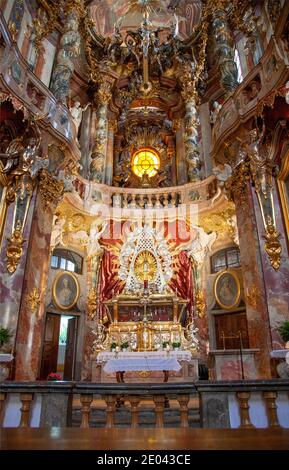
[
  {"x": 149, "y": 199},
  {"x": 237, "y": 404}
]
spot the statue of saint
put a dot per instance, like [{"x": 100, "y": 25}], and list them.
[{"x": 76, "y": 112}]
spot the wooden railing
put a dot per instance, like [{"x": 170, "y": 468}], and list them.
[{"x": 245, "y": 404}]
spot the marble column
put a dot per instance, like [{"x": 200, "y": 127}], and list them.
[
  {"x": 253, "y": 277},
  {"x": 85, "y": 133},
  {"x": 31, "y": 321},
  {"x": 204, "y": 112},
  {"x": 276, "y": 280},
  {"x": 182, "y": 174},
  {"x": 192, "y": 150},
  {"x": 69, "y": 49},
  {"x": 109, "y": 152},
  {"x": 225, "y": 51},
  {"x": 99, "y": 149}
]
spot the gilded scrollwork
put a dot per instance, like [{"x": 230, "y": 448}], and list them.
[
  {"x": 92, "y": 303},
  {"x": 33, "y": 300},
  {"x": 200, "y": 302},
  {"x": 50, "y": 189},
  {"x": 273, "y": 247},
  {"x": 14, "y": 248}
]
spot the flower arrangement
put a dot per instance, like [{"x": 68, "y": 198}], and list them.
[
  {"x": 124, "y": 345},
  {"x": 176, "y": 344},
  {"x": 113, "y": 346},
  {"x": 165, "y": 344},
  {"x": 54, "y": 377}
]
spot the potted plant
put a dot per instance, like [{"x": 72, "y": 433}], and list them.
[
  {"x": 283, "y": 330},
  {"x": 113, "y": 346},
  {"x": 5, "y": 336},
  {"x": 176, "y": 345},
  {"x": 124, "y": 346}
]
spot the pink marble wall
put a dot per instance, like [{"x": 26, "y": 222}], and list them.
[
  {"x": 11, "y": 285},
  {"x": 31, "y": 324},
  {"x": 276, "y": 282},
  {"x": 257, "y": 313}
]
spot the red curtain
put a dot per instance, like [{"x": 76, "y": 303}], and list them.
[
  {"x": 182, "y": 280},
  {"x": 110, "y": 284}
]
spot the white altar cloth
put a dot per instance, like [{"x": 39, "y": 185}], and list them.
[
  {"x": 138, "y": 361},
  {"x": 144, "y": 363},
  {"x": 180, "y": 355}
]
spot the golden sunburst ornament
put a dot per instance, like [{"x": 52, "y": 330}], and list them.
[{"x": 145, "y": 266}]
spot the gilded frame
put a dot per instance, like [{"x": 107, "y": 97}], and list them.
[
  {"x": 55, "y": 296},
  {"x": 284, "y": 196},
  {"x": 237, "y": 298}
]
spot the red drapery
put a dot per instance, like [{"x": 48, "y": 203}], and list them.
[
  {"x": 182, "y": 280},
  {"x": 110, "y": 284}
]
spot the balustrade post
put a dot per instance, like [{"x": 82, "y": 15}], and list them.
[
  {"x": 2, "y": 406},
  {"x": 158, "y": 202},
  {"x": 26, "y": 399},
  {"x": 243, "y": 398},
  {"x": 110, "y": 401},
  {"x": 165, "y": 200},
  {"x": 173, "y": 200},
  {"x": 133, "y": 201},
  {"x": 125, "y": 203},
  {"x": 85, "y": 401},
  {"x": 159, "y": 407},
  {"x": 134, "y": 402},
  {"x": 271, "y": 409},
  {"x": 141, "y": 201},
  {"x": 149, "y": 201},
  {"x": 184, "y": 410}
]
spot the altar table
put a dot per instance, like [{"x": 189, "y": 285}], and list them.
[{"x": 122, "y": 362}]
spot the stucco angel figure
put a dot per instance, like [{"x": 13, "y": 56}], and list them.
[
  {"x": 94, "y": 248},
  {"x": 76, "y": 112},
  {"x": 222, "y": 172},
  {"x": 201, "y": 244},
  {"x": 21, "y": 152},
  {"x": 57, "y": 232},
  {"x": 22, "y": 155}
]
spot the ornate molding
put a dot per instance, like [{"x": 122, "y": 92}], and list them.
[
  {"x": 273, "y": 247},
  {"x": 51, "y": 190},
  {"x": 92, "y": 303},
  {"x": 14, "y": 248},
  {"x": 33, "y": 300},
  {"x": 201, "y": 306}
]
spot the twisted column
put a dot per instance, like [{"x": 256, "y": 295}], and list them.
[
  {"x": 224, "y": 49},
  {"x": 99, "y": 149},
  {"x": 69, "y": 49},
  {"x": 192, "y": 148}
]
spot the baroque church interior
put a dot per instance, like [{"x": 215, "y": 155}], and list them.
[{"x": 144, "y": 217}]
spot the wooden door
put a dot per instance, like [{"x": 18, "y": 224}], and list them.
[
  {"x": 230, "y": 324},
  {"x": 50, "y": 347},
  {"x": 70, "y": 349}
]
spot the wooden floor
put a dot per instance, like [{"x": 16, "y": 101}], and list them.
[{"x": 140, "y": 439}]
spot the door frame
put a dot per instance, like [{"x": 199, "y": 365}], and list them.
[{"x": 68, "y": 314}]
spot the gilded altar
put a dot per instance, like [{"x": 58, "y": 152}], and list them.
[{"x": 146, "y": 323}]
